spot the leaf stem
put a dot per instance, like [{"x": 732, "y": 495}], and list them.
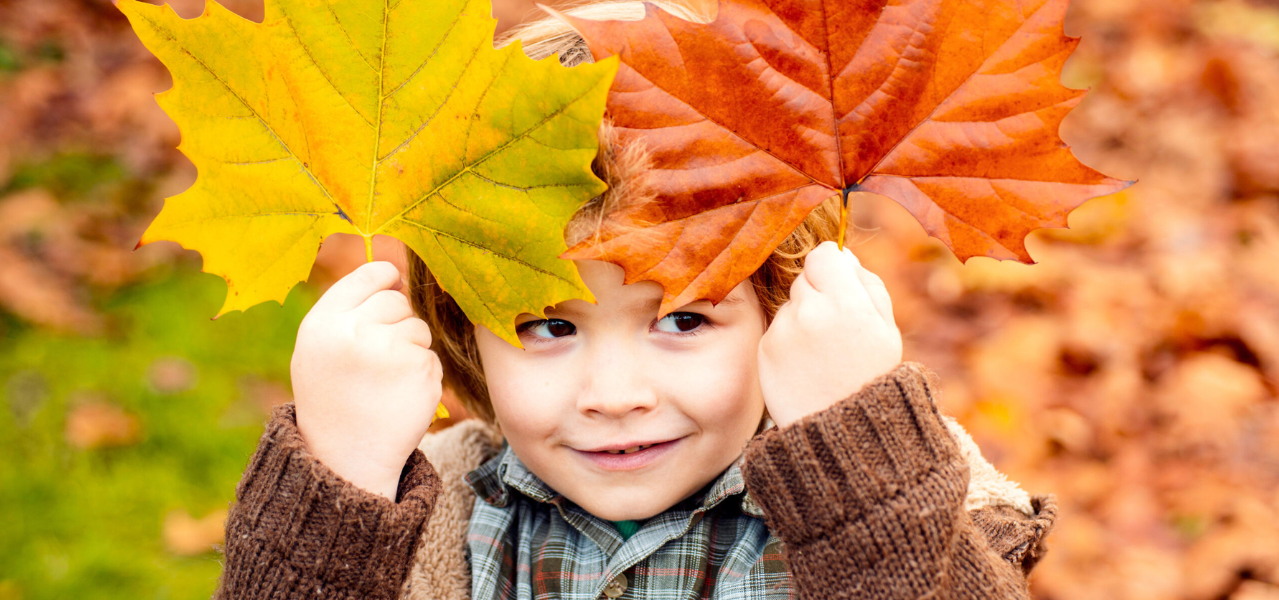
[
  {"x": 368, "y": 247},
  {"x": 843, "y": 217}
]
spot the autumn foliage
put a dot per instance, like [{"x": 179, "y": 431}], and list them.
[
  {"x": 950, "y": 108},
  {"x": 1134, "y": 371}
]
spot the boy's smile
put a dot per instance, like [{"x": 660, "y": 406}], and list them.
[
  {"x": 628, "y": 457},
  {"x": 621, "y": 412}
]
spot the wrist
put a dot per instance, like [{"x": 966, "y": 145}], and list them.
[
  {"x": 784, "y": 414},
  {"x": 802, "y": 400},
  {"x": 367, "y": 474},
  {"x": 365, "y": 468}
]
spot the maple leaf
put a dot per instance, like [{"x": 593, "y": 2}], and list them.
[
  {"x": 377, "y": 118},
  {"x": 949, "y": 107}
]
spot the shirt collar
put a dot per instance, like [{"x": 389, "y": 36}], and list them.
[{"x": 494, "y": 480}]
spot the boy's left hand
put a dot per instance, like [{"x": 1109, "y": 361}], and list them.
[{"x": 833, "y": 337}]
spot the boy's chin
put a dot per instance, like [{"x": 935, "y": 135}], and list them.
[
  {"x": 628, "y": 504},
  {"x": 613, "y": 512}
]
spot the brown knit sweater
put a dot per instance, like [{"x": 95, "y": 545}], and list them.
[{"x": 868, "y": 495}]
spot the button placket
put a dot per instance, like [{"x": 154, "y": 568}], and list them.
[{"x": 617, "y": 586}]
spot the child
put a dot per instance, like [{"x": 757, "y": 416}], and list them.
[{"x": 638, "y": 462}]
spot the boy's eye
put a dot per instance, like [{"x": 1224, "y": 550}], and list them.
[
  {"x": 680, "y": 322},
  {"x": 548, "y": 328}
]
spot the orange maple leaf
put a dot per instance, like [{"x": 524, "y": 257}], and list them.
[{"x": 949, "y": 107}]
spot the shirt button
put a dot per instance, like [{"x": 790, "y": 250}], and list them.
[{"x": 616, "y": 587}]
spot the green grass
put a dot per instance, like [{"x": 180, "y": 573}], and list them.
[
  {"x": 87, "y": 524},
  {"x": 68, "y": 175},
  {"x": 8, "y": 58}
]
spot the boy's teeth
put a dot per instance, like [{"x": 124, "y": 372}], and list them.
[{"x": 629, "y": 450}]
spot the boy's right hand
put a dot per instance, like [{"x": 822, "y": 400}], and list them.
[{"x": 365, "y": 380}]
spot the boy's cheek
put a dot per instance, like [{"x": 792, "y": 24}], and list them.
[
  {"x": 523, "y": 395},
  {"x": 720, "y": 387},
  {"x": 527, "y": 401}
]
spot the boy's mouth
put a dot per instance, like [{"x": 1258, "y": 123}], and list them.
[
  {"x": 630, "y": 450},
  {"x": 628, "y": 456},
  {"x": 627, "y": 447}
]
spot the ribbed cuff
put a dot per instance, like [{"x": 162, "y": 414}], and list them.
[
  {"x": 884, "y": 445},
  {"x": 1017, "y": 538},
  {"x": 300, "y": 531}
]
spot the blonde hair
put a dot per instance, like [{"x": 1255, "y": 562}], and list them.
[
  {"x": 552, "y": 35},
  {"x": 625, "y": 169}
]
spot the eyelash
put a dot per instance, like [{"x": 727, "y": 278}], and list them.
[
  {"x": 703, "y": 324},
  {"x": 525, "y": 327}
]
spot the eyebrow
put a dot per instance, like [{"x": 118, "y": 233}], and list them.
[
  {"x": 646, "y": 307},
  {"x": 732, "y": 300},
  {"x": 728, "y": 301}
]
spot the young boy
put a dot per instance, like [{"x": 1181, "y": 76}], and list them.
[{"x": 637, "y": 459}]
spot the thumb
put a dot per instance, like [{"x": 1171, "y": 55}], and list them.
[
  {"x": 834, "y": 272},
  {"x": 358, "y": 286}
]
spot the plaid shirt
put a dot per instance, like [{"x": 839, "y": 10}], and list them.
[{"x": 526, "y": 541}]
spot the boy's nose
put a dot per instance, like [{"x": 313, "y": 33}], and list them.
[{"x": 616, "y": 386}]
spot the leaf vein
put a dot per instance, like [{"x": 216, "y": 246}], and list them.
[
  {"x": 432, "y": 116},
  {"x": 522, "y": 189},
  {"x": 488, "y": 251},
  {"x": 967, "y": 78},
  {"x": 486, "y": 157},
  {"x": 377, "y": 129},
  {"x": 325, "y": 74},
  {"x": 347, "y": 34},
  {"x": 434, "y": 51},
  {"x": 478, "y": 296},
  {"x": 734, "y": 134},
  {"x": 462, "y": 210},
  {"x": 264, "y": 123}
]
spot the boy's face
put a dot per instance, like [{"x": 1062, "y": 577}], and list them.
[{"x": 621, "y": 412}]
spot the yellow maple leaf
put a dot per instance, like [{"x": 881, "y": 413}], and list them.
[{"x": 377, "y": 118}]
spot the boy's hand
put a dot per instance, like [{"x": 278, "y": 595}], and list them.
[
  {"x": 833, "y": 337},
  {"x": 365, "y": 381}
]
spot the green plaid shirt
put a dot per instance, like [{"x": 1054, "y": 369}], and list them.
[{"x": 526, "y": 541}]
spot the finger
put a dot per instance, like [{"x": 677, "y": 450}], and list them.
[
  {"x": 782, "y": 321},
  {"x": 821, "y": 265},
  {"x": 351, "y": 291},
  {"x": 832, "y": 271},
  {"x": 386, "y": 306},
  {"x": 416, "y": 331},
  {"x": 800, "y": 290},
  {"x": 878, "y": 293}
]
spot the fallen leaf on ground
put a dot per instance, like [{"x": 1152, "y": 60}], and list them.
[
  {"x": 171, "y": 375},
  {"x": 187, "y": 536},
  {"x": 100, "y": 424}
]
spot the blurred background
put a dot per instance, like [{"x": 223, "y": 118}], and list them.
[{"x": 1134, "y": 371}]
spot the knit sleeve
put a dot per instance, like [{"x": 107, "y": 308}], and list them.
[
  {"x": 297, "y": 530},
  {"x": 1017, "y": 538},
  {"x": 868, "y": 497}
]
